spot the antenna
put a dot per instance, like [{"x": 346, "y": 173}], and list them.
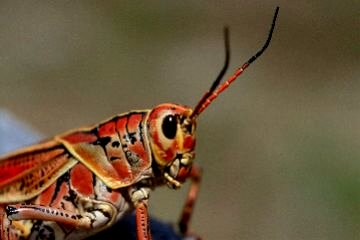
[{"x": 214, "y": 91}]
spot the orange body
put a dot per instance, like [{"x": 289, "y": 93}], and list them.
[{"x": 104, "y": 166}]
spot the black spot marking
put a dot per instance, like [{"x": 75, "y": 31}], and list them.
[
  {"x": 11, "y": 210},
  {"x": 115, "y": 144},
  {"x": 103, "y": 141},
  {"x": 132, "y": 138},
  {"x": 188, "y": 128},
  {"x": 106, "y": 214},
  {"x": 71, "y": 197},
  {"x": 109, "y": 189},
  {"x": 94, "y": 184},
  {"x": 140, "y": 127}
]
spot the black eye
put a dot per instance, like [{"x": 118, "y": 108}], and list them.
[{"x": 169, "y": 126}]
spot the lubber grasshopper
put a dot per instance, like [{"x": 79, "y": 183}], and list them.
[{"x": 83, "y": 181}]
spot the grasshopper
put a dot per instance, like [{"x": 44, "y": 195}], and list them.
[{"x": 81, "y": 182}]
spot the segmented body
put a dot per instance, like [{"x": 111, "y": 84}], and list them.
[{"x": 63, "y": 173}]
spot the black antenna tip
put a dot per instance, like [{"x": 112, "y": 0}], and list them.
[
  {"x": 227, "y": 59},
  {"x": 267, "y": 40}
]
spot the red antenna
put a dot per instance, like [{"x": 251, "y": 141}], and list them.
[{"x": 214, "y": 91}]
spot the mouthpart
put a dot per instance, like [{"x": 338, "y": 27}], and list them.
[{"x": 179, "y": 169}]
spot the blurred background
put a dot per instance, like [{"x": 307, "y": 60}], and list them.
[{"x": 280, "y": 149}]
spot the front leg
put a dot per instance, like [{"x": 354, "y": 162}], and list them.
[
  {"x": 139, "y": 197},
  {"x": 195, "y": 177},
  {"x": 142, "y": 221}
]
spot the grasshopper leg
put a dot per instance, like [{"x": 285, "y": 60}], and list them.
[
  {"x": 142, "y": 221},
  {"x": 139, "y": 196},
  {"x": 195, "y": 177},
  {"x": 94, "y": 217}
]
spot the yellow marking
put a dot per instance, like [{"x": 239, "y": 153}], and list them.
[{"x": 24, "y": 227}]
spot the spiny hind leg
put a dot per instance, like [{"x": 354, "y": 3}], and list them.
[{"x": 93, "y": 214}]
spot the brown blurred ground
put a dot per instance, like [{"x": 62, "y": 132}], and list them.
[{"x": 280, "y": 149}]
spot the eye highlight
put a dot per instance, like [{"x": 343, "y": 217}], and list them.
[{"x": 169, "y": 126}]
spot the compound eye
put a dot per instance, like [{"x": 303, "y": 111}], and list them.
[{"x": 169, "y": 126}]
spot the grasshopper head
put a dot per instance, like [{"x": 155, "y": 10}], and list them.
[
  {"x": 172, "y": 140},
  {"x": 172, "y": 127}
]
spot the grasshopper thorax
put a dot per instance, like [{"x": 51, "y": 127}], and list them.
[{"x": 172, "y": 140}]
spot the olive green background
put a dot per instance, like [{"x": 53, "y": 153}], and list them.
[{"x": 280, "y": 149}]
